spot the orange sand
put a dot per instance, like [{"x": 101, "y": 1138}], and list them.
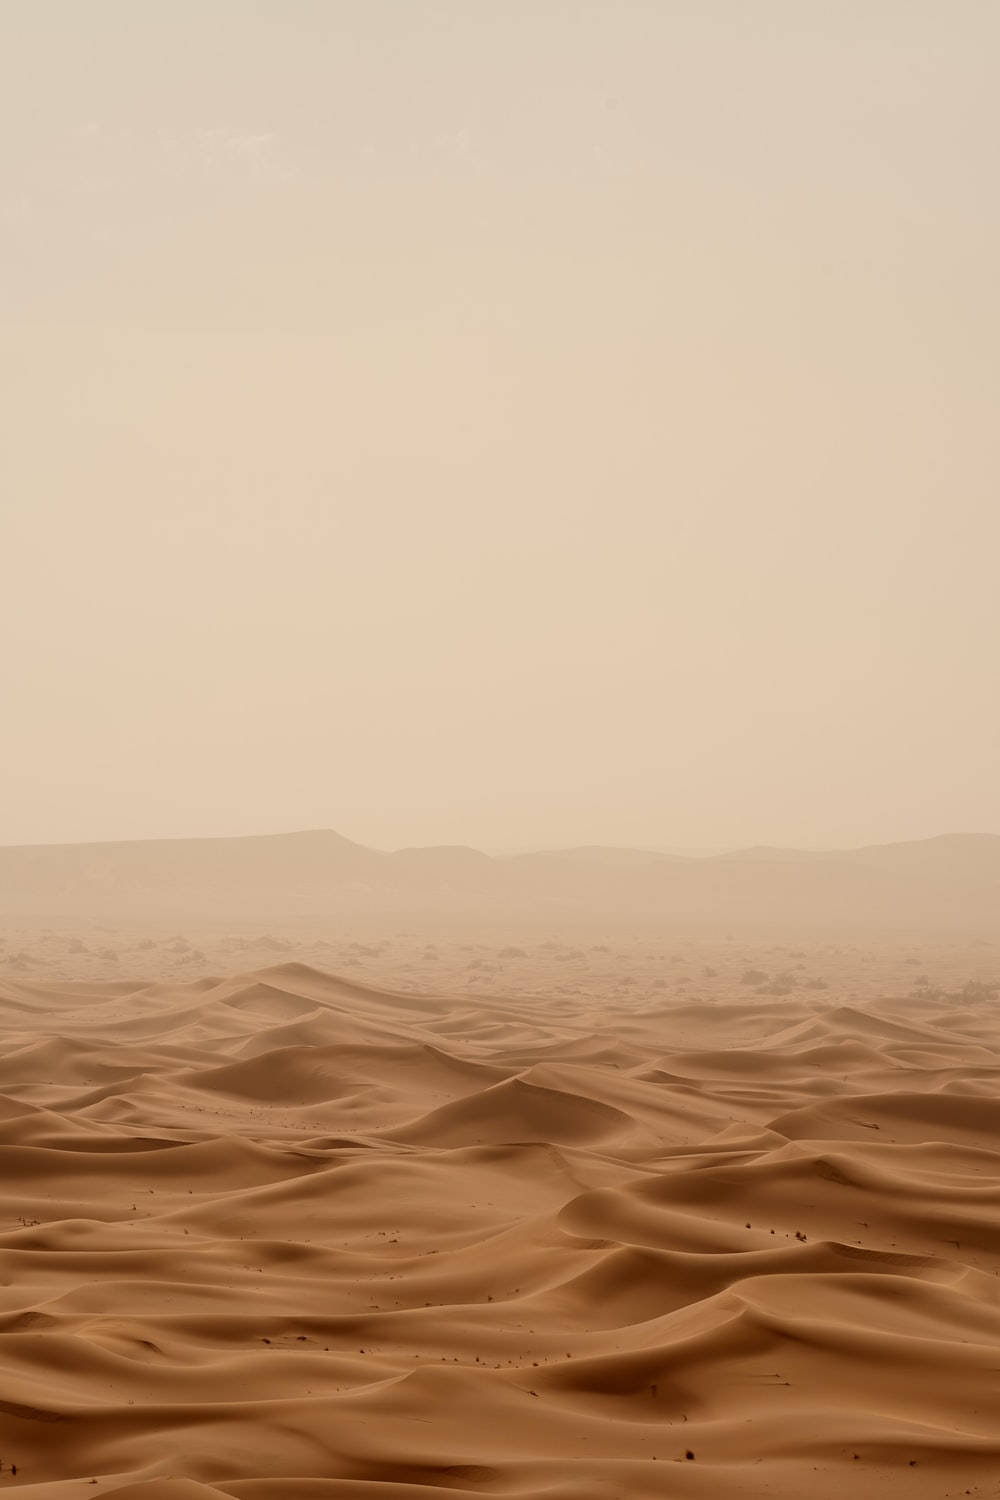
[{"x": 291, "y": 1235}]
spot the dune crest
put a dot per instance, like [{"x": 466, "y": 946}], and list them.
[{"x": 287, "y": 1234}]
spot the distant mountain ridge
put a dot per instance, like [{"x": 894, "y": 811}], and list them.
[{"x": 950, "y": 881}]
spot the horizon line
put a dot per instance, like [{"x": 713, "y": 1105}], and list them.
[{"x": 715, "y": 852}]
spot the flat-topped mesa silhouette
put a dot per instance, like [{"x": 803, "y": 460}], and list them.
[{"x": 950, "y": 882}]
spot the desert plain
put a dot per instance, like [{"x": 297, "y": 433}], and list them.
[{"x": 499, "y": 812}]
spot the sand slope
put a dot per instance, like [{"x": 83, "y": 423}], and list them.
[{"x": 283, "y": 1234}]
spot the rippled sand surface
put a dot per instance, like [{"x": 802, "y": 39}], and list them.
[{"x": 291, "y": 1234}]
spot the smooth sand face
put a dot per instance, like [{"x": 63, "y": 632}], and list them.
[{"x": 603, "y": 1224}]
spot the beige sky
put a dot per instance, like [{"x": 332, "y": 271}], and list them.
[{"x": 503, "y": 423}]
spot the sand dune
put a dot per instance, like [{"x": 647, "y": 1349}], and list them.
[{"x": 285, "y": 1234}]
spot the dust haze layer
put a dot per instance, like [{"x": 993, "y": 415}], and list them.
[
  {"x": 505, "y": 424},
  {"x": 948, "y": 883}
]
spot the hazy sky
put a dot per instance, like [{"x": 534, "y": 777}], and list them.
[{"x": 500, "y": 422}]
